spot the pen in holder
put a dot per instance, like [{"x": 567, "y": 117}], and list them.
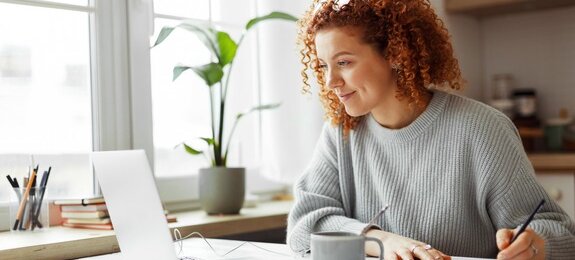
[
  {"x": 28, "y": 205},
  {"x": 30, "y": 215}
]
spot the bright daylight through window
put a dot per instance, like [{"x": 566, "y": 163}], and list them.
[
  {"x": 181, "y": 107},
  {"x": 45, "y": 92}
]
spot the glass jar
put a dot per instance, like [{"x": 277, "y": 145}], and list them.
[
  {"x": 525, "y": 102},
  {"x": 501, "y": 86}
]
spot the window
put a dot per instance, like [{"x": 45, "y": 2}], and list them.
[
  {"x": 45, "y": 90},
  {"x": 181, "y": 107},
  {"x": 62, "y": 90},
  {"x": 46, "y": 93},
  {"x": 78, "y": 76}
]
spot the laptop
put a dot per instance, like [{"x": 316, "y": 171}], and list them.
[{"x": 134, "y": 205}]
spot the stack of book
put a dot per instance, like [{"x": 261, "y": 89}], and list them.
[
  {"x": 85, "y": 213},
  {"x": 90, "y": 213}
]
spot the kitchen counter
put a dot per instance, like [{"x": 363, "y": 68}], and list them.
[
  {"x": 556, "y": 173},
  {"x": 556, "y": 162}
]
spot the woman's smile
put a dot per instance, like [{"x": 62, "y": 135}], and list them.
[{"x": 346, "y": 96}]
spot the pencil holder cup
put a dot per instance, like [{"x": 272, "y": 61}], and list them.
[{"x": 28, "y": 210}]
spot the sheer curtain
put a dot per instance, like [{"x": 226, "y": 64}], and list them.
[{"x": 290, "y": 133}]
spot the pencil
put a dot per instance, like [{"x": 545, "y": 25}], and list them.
[
  {"x": 31, "y": 205},
  {"x": 24, "y": 198}
]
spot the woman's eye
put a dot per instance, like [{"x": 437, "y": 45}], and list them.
[
  {"x": 342, "y": 63},
  {"x": 322, "y": 67}
]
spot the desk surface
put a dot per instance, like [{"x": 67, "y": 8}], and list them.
[
  {"x": 196, "y": 247},
  {"x": 65, "y": 243}
]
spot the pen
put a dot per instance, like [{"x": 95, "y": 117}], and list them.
[
  {"x": 11, "y": 181},
  {"x": 43, "y": 183},
  {"x": 524, "y": 226},
  {"x": 14, "y": 184},
  {"x": 372, "y": 221},
  {"x": 25, "y": 214}
]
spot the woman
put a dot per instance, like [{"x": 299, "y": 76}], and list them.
[{"x": 453, "y": 170}]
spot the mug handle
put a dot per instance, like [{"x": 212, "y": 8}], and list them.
[{"x": 378, "y": 243}]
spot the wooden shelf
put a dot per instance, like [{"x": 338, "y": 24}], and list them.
[{"x": 66, "y": 243}]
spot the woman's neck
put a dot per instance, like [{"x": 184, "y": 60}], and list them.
[{"x": 397, "y": 114}]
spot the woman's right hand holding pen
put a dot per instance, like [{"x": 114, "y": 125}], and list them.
[
  {"x": 528, "y": 245},
  {"x": 522, "y": 242}
]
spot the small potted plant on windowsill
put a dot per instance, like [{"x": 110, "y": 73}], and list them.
[{"x": 222, "y": 189}]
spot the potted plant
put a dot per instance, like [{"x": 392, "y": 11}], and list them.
[{"x": 221, "y": 188}]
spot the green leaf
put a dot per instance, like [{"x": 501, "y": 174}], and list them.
[
  {"x": 206, "y": 35},
  {"x": 272, "y": 15},
  {"x": 227, "y": 48},
  {"x": 262, "y": 107},
  {"x": 209, "y": 141},
  {"x": 164, "y": 33},
  {"x": 211, "y": 73},
  {"x": 178, "y": 71},
  {"x": 191, "y": 150},
  {"x": 203, "y": 33},
  {"x": 267, "y": 106}
]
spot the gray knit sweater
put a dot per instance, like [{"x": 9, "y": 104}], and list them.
[{"x": 452, "y": 178}]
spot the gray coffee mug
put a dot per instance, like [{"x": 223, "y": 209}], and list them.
[{"x": 332, "y": 245}]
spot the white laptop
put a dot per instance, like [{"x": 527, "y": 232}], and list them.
[{"x": 134, "y": 205}]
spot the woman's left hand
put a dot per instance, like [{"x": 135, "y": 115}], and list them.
[{"x": 528, "y": 245}]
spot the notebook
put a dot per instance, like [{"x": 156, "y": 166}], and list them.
[{"x": 128, "y": 186}]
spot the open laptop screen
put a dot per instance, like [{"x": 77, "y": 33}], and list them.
[{"x": 134, "y": 205}]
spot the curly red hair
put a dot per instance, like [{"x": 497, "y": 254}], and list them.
[{"x": 407, "y": 33}]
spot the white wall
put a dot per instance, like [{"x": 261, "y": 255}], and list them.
[
  {"x": 466, "y": 39},
  {"x": 290, "y": 132},
  {"x": 538, "y": 49}
]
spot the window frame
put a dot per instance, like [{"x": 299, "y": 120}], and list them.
[
  {"x": 121, "y": 96},
  {"x": 176, "y": 192},
  {"x": 110, "y": 82}
]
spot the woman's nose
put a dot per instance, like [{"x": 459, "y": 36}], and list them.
[{"x": 334, "y": 80}]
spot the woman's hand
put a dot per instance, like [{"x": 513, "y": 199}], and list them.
[
  {"x": 398, "y": 247},
  {"x": 528, "y": 245}
]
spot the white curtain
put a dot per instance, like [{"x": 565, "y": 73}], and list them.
[{"x": 289, "y": 133}]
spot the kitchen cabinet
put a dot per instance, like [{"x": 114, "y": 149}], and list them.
[
  {"x": 492, "y": 7},
  {"x": 561, "y": 187},
  {"x": 556, "y": 173}
]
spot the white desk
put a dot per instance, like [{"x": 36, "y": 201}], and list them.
[{"x": 196, "y": 247}]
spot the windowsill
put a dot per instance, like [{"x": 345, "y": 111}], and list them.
[{"x": 61, "y": 242}]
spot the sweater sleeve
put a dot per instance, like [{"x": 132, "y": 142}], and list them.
[
  {"x": 318, "y": 203},
  {"x": 515, "y": 193}
]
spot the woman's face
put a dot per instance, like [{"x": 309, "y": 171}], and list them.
[{"x": 357, "y": 73}]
